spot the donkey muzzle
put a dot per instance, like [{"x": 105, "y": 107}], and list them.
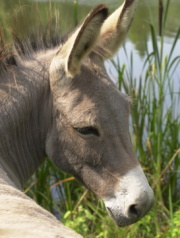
[{"x": 132, "y": 198}]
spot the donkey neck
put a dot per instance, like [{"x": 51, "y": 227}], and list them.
[{"x": 24, "y": 118}]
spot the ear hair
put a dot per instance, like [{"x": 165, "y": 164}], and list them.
[
  {"x": 115, "y": 28},
  {"x": 82, "y": 41}
]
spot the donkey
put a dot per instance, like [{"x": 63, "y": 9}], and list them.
[{"x": 59, "y": 102}]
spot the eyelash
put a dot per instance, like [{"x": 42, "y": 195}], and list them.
[{"x": 89, "y": 130}]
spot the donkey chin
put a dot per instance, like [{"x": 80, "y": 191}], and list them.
[{"x": 132, "y": 199}]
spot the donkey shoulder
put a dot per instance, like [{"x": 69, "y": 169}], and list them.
[{"x": 20, "y": 216}]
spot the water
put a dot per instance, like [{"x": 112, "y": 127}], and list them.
[
  {"x": 138, "y": 36},
  {"x": 135, "y": 43},
  {"x": 137, "y": 40}
]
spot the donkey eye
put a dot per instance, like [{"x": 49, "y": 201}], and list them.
[{"x": 89, "y": 130}]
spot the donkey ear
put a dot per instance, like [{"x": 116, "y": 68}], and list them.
[
  {"x": 115, "y": 28},
  {"x": 83, "y": 40}
]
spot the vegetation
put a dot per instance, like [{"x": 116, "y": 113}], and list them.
[
  {"x": 155, "y": 133},
  {"x": 155, "y": 129}
]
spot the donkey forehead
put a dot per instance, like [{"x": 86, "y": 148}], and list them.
[
  {"x": 95, "y": 83},
  {"x": 93, "y": 94}
]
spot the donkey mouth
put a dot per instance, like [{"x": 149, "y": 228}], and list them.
[
  {"x": 121, "y": 220},
  {"x": 135, "y": 213}
]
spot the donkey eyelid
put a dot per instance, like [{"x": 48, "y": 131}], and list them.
[{"x": 87, "y": 131}]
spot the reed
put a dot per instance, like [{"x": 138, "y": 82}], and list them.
[{"x": 155, "y": 129}]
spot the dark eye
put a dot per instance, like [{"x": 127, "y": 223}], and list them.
[{"x": 89, "y": 130}]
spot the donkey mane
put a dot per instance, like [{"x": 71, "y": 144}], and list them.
[
  {"x": 58, "y": 101},
  {"x": 45, "y": 37}
]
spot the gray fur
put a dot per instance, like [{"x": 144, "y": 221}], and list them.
[{"x": 47, "y": 96}]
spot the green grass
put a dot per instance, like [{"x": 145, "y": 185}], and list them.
[{"x": 155, "y": 129}]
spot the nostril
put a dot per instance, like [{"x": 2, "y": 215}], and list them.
[
  {"x": 134, "y": 211},
  {"x": 109, "y": 210}
]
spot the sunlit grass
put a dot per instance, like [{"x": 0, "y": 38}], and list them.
[{"x": 156, "y": 139}]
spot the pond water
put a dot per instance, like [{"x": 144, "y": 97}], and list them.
[
  {"x": 138, "y": 39},
  {"x": 138, "y": 36}
]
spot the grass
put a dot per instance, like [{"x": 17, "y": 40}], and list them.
[{"x": 156, "y": 138}]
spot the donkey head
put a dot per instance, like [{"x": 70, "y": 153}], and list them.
[{"x": 89, "y": 136}]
